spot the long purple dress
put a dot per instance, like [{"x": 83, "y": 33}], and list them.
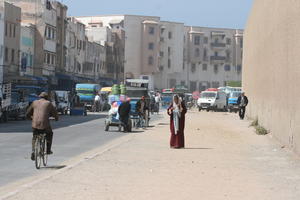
[{"x": 177, "y": 140}]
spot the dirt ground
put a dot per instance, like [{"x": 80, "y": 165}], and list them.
[{"x": 223, "y": 159}]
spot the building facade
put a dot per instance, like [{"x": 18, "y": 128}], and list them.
[
  {"x": 12, "y": 18},
  {"x": 27, "y": 49},
  {"x": 212, "y": 57},
  {"x": 271, "y": 75},
  {"x": 171, "y": 71}
]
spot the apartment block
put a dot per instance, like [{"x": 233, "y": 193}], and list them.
[
  {"x": 212, "y": 57},
  {"x": 170, "y": 56},
  {"x": 141, "y": 46},
  {"x": 27, "y": 49},
  {"x": 12, "y": 18}
]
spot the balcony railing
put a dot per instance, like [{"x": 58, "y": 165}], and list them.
[
  {"x": 218, "y": 45},
  {"x": 217, "y": 58}
]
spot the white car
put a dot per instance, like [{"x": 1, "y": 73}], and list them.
[{"x": 212, "y": 100}]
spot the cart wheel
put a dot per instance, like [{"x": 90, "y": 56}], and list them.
[{"x": 106, "y": 127}]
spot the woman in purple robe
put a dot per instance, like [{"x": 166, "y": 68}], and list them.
[{"x": 177, "y": 111}]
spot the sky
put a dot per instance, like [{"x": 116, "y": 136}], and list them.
[{"x": 207, "y": 13}]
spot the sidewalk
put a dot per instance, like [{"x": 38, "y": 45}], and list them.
[{"x": 223, "y": 159}]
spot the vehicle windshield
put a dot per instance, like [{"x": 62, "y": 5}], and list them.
[
  {"x": 85, "y": 92},
  {"x": 137, "y": 93},
  {"x": 234, "y": 94},
  {"x": 208, "y": 95}
]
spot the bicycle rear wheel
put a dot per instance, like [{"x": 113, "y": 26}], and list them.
[
  {"x": 37, "y": 153},
  {"x": 44, "y": 150}
]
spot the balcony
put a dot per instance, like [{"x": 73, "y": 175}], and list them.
[
  {"x": 218, "y": 45},
  {"x": 218, "y": 58}
]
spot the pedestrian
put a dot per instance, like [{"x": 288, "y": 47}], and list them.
[
  {"x": 124, "y": 113},
  {"x": 97, "y": 103},
  {"x": 157, "y": 103},
  {"x": 40, "y": 111},
  {"x": 242, "y": 102},
  {"x": 177, "y": 111},
  {"x": 141, "y": 109}
]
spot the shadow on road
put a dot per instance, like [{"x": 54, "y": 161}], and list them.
[
  {"x": 54, "y": 167},
  {"x": 192, "y": 148},
  {"x": 64, "y": 121}
]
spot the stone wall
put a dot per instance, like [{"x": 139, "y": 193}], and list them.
[{"x": 271, "y": 75}]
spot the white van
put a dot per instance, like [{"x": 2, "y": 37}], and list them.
[{"x": 212, "y": 100}]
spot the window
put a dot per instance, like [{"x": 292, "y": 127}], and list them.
[
  {"x": 193, "y": 69},
  {"x": 169, "y": 51},
  {"x": 151, "y": 30},
  {"x": 204, "y": 67},
  {"x": 227, "y": 68},
  {"x": 14, "y": 30},
  {"x": 228, "y": 55},
  {"x": 151, "y": 46},
  {"x": 170, "y": 35},
  {"x": 241, "y": 42},
  {"x": 10, "y": 30},
  {"x": 216, "y": 53},
  {"x": 182, "y": 83},
  {"x": 216, "y": 68},
  {"x": 6, "y": 29},
  {"x": 228, "y": 41},
  {"x": 48, "y": 58},
  {"x": 197, "y": 40},
  {"x": 12, "y": 55},
  {"x": 6, "y": 54},
  {"x": 150, "y": 60},
  {"x": 204, "y": 54},
  {"x": 239, "y": 68},
  {"x": 161, "y": 54},
  {"x": 197, "y": 52},
  {"x": 169, "y": 63},
  {"x": 205, "y": 40}
]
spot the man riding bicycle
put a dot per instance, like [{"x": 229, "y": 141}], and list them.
[
  {"x": 40, "y": 111},
  {"x": 142, "y": 107}
]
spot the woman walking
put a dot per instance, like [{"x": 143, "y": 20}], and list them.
[{"x": 177, "y": 111}]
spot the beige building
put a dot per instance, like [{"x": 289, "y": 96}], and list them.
[
  {"x": 27, "y": 49},
  {"x": 271, "y": 75},
  {"x": 141, "y": 51},
  {"x": 12, "y": 18},
  {"x": 212, "y": 57},
  {"x": 171, "y": 71}
]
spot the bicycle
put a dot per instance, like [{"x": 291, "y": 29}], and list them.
[{"x": 40, "y": 150}]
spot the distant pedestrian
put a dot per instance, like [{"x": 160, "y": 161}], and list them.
[
  {"x": 124, "y": 113},
  {"x": 97, "y": 103},
  {"x": 177, "y": 111},
  {"x": 242, "y": 102}
]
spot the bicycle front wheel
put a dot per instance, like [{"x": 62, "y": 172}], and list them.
[
  {"x": 37, "y": 153},
  {"x": 44, "y": 150}
]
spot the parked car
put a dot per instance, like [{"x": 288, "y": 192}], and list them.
[
  {"x": 232, "y": 101},
  {"x": 212, "y": 100},
  {"x": 17, "y": 109}
]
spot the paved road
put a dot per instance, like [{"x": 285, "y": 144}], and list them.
[{"x": 73, "y": 135}]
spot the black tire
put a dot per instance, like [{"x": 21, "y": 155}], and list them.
[
  {"x": 106, "y": 127},
  {"x": 44, "y": 152},
  {"x": 207, "y": 110},
  {"x": 37, "y": 153},
  {"x": 199, "y": 109},
  {"x": 129, "y": 126}
]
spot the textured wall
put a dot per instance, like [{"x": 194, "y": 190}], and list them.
[{"x": 271, "y": 75}]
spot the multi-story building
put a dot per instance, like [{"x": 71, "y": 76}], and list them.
[
  {"x": 141, "y": 46},
  {"x": 27, "y": 49},
  {"x": 43, "y": 15},
  {"x": 1, "y": 40},
  {"x": 61, "y": 29},
  {"x": 12, "y": 18},
  {"x": 171, "y": 56},
  {"x": 212, "y": 57}
]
